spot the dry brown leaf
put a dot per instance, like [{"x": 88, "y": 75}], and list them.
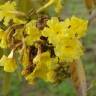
[{"x": 79, "y": 78}]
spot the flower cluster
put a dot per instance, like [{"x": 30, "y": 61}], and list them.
[
  {"x": 46, "y": 46},
  {"x": 67, "y": 37},
  {"x": 7, "y": 13}
]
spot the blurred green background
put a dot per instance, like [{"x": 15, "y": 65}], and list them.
[{"x": 20, "y": 87}]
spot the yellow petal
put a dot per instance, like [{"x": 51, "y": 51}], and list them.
[
  {"x": 76, "y": 28},
  {"x": 1, "y": 33},
  {"x": 44, "y": 67},
  {"x": 33, "y": 33},
  {"x": 3, "y": 42},
  {"x": 9, "y": 63},
  {"x": 7, "y": 11}
]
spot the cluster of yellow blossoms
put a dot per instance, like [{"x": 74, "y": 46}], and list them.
[
  {"x": 44, "y": 51},
  {"x": 67, "y": 37}
]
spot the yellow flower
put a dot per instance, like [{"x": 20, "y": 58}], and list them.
[
  {"x": 43, "y": 68},
  {"x": 69, "y": 49},
  {"x": 41, "y": 61},
  {"x": 32, "y": 32},
  {"x": 9, "y": 63},
  {"x": 75, "y": 27},
  {"x": 65, "y": 35},
  {"x": 7, "y": 13},
  {"x": 57, "y": 4},
  {"x": 69, "y": 28},
  {"x": 54, "y": 29}
]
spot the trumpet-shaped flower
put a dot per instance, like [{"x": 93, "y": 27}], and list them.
[
  {"x": 32, "y": 32},
  {"x": 75, "y": 27},
  {"x": 9, "y": 63},
  {"x": 54, "y": 29},
  {"x": 43, "y": 68},
  {"x": 69, "y": 49}
]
